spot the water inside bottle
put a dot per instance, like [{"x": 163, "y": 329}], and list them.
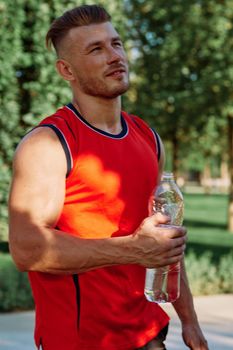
[
  {"x": 167, "y": 278},
  {"x": 163, "y": 284}
]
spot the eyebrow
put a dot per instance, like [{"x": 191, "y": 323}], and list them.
[{"x": 99, "y": 42}]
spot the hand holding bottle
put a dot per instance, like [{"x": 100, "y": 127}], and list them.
[
  {"x": 163, "y": 283},
  {"x": 157, "y": 244}
]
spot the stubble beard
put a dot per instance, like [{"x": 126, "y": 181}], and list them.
[{"x": 99, "y": 88}]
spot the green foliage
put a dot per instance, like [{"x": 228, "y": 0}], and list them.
[
  {"x": 180, "y": 56},
  {"x": 205, "y": 277},
  {"x": 15, "y": 292},
  {"x": 10, "y": 51},
  {"x": 183, "y": 76},
  {"x": 225, "y": 273},
  {"x": 30, "y": 88}
]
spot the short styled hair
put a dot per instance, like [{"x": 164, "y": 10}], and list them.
[{"x": 79, "y": 16}]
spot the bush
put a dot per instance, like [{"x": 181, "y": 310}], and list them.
[
  {"x": 3, "y": 226},
  {"x": 226, "y": 274},
  {"x": 207, "y": 277},
  {"x": 15, "y": 292}
]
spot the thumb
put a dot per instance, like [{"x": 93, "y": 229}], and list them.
[{"x": 159, "y": 218}]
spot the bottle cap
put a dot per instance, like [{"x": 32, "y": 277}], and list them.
[{"x": 167, "y": 176}]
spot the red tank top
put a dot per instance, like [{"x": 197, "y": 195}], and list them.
[{"x": 108, "y": 184}]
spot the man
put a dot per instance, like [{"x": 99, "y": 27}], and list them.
[{"x": 78, "y": 205}]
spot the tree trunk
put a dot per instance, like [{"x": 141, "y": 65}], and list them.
[
  {"x": 206, "y": 177},
  {"x": 230, "y": 151},
  {"x": 224, "y": 172}
]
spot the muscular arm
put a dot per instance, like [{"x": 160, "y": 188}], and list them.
[{"x": 35, "y": 203}]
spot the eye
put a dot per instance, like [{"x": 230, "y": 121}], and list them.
[
  {"x": 118, "y": 44},
  {"x": 96, "y": 49}
]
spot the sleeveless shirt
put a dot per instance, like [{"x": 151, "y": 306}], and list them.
[{"x": 109, "y": 181}]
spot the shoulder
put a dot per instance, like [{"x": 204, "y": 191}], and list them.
[
  {"x": 140, "y": 124},
  {"x": 54, "y": 138},
  {"x": 135, "y": 119},
  {"x": 37, "y": 138},
  {"x": 39, "y": 148},
  {"x": 148, "y": 132}
]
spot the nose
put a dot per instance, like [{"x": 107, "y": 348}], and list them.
[{"x": 113, "y": 55}]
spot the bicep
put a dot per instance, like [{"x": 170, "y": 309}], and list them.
[{"x": 38, "y": 183}]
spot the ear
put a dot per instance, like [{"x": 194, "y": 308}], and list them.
[{"x": 64, "y": 69}]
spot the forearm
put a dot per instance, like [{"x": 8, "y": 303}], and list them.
[
  {"x": 37, "y": 247},
  {"x": 184, "y": 305},
  {"x": 191, "y": 331},
  {"x": 52, "y": 251}
]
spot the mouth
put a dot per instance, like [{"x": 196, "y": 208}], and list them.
[{"x": 117, "y": 72}]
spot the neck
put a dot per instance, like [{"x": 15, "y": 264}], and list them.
[{"x": 104, "y": 114}]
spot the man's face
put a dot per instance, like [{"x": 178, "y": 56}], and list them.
[{"x": 97, "y": 59}]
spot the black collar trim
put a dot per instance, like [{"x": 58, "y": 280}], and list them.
[{"x": 122, "y": 134}]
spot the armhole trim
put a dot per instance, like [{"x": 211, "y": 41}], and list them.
[
  {"x": 158, "y": 143},
  {"x": 156, "y": 138},
  {"x": 64, "y": 144}
]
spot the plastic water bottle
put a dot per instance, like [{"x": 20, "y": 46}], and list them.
[{"x": 163, "y": 284}]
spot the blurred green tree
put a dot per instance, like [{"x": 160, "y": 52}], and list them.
[
  {"x": 30, "y": 87},
  {"x": 10, "y": 54},
  {"x": 183, "y": 75},
  {"x": 181, "y": 71}
]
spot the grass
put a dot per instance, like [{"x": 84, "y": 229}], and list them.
[
  {"x": 209, "y": 253},
  {"x": 206, "y": 220}
]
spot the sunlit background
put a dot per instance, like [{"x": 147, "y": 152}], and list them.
[{"x": 181, "y": 61}]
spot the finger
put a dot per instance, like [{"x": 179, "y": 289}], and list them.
[
  {"x": 177, "y": 231},
  {"x": 171, "y": 260},
  {"x": 177, "y": 251},
  {"x": 178, "y": 242},
  {"x": 171, "y": 232},
  {"x": 159, "y": 218}
]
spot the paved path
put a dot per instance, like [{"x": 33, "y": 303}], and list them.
[
  {"x": 214, "y": 312},
  {"x": 16, "y": 331}
]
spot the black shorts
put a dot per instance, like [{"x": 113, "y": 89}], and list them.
[{"x": 158, "y": 342}]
